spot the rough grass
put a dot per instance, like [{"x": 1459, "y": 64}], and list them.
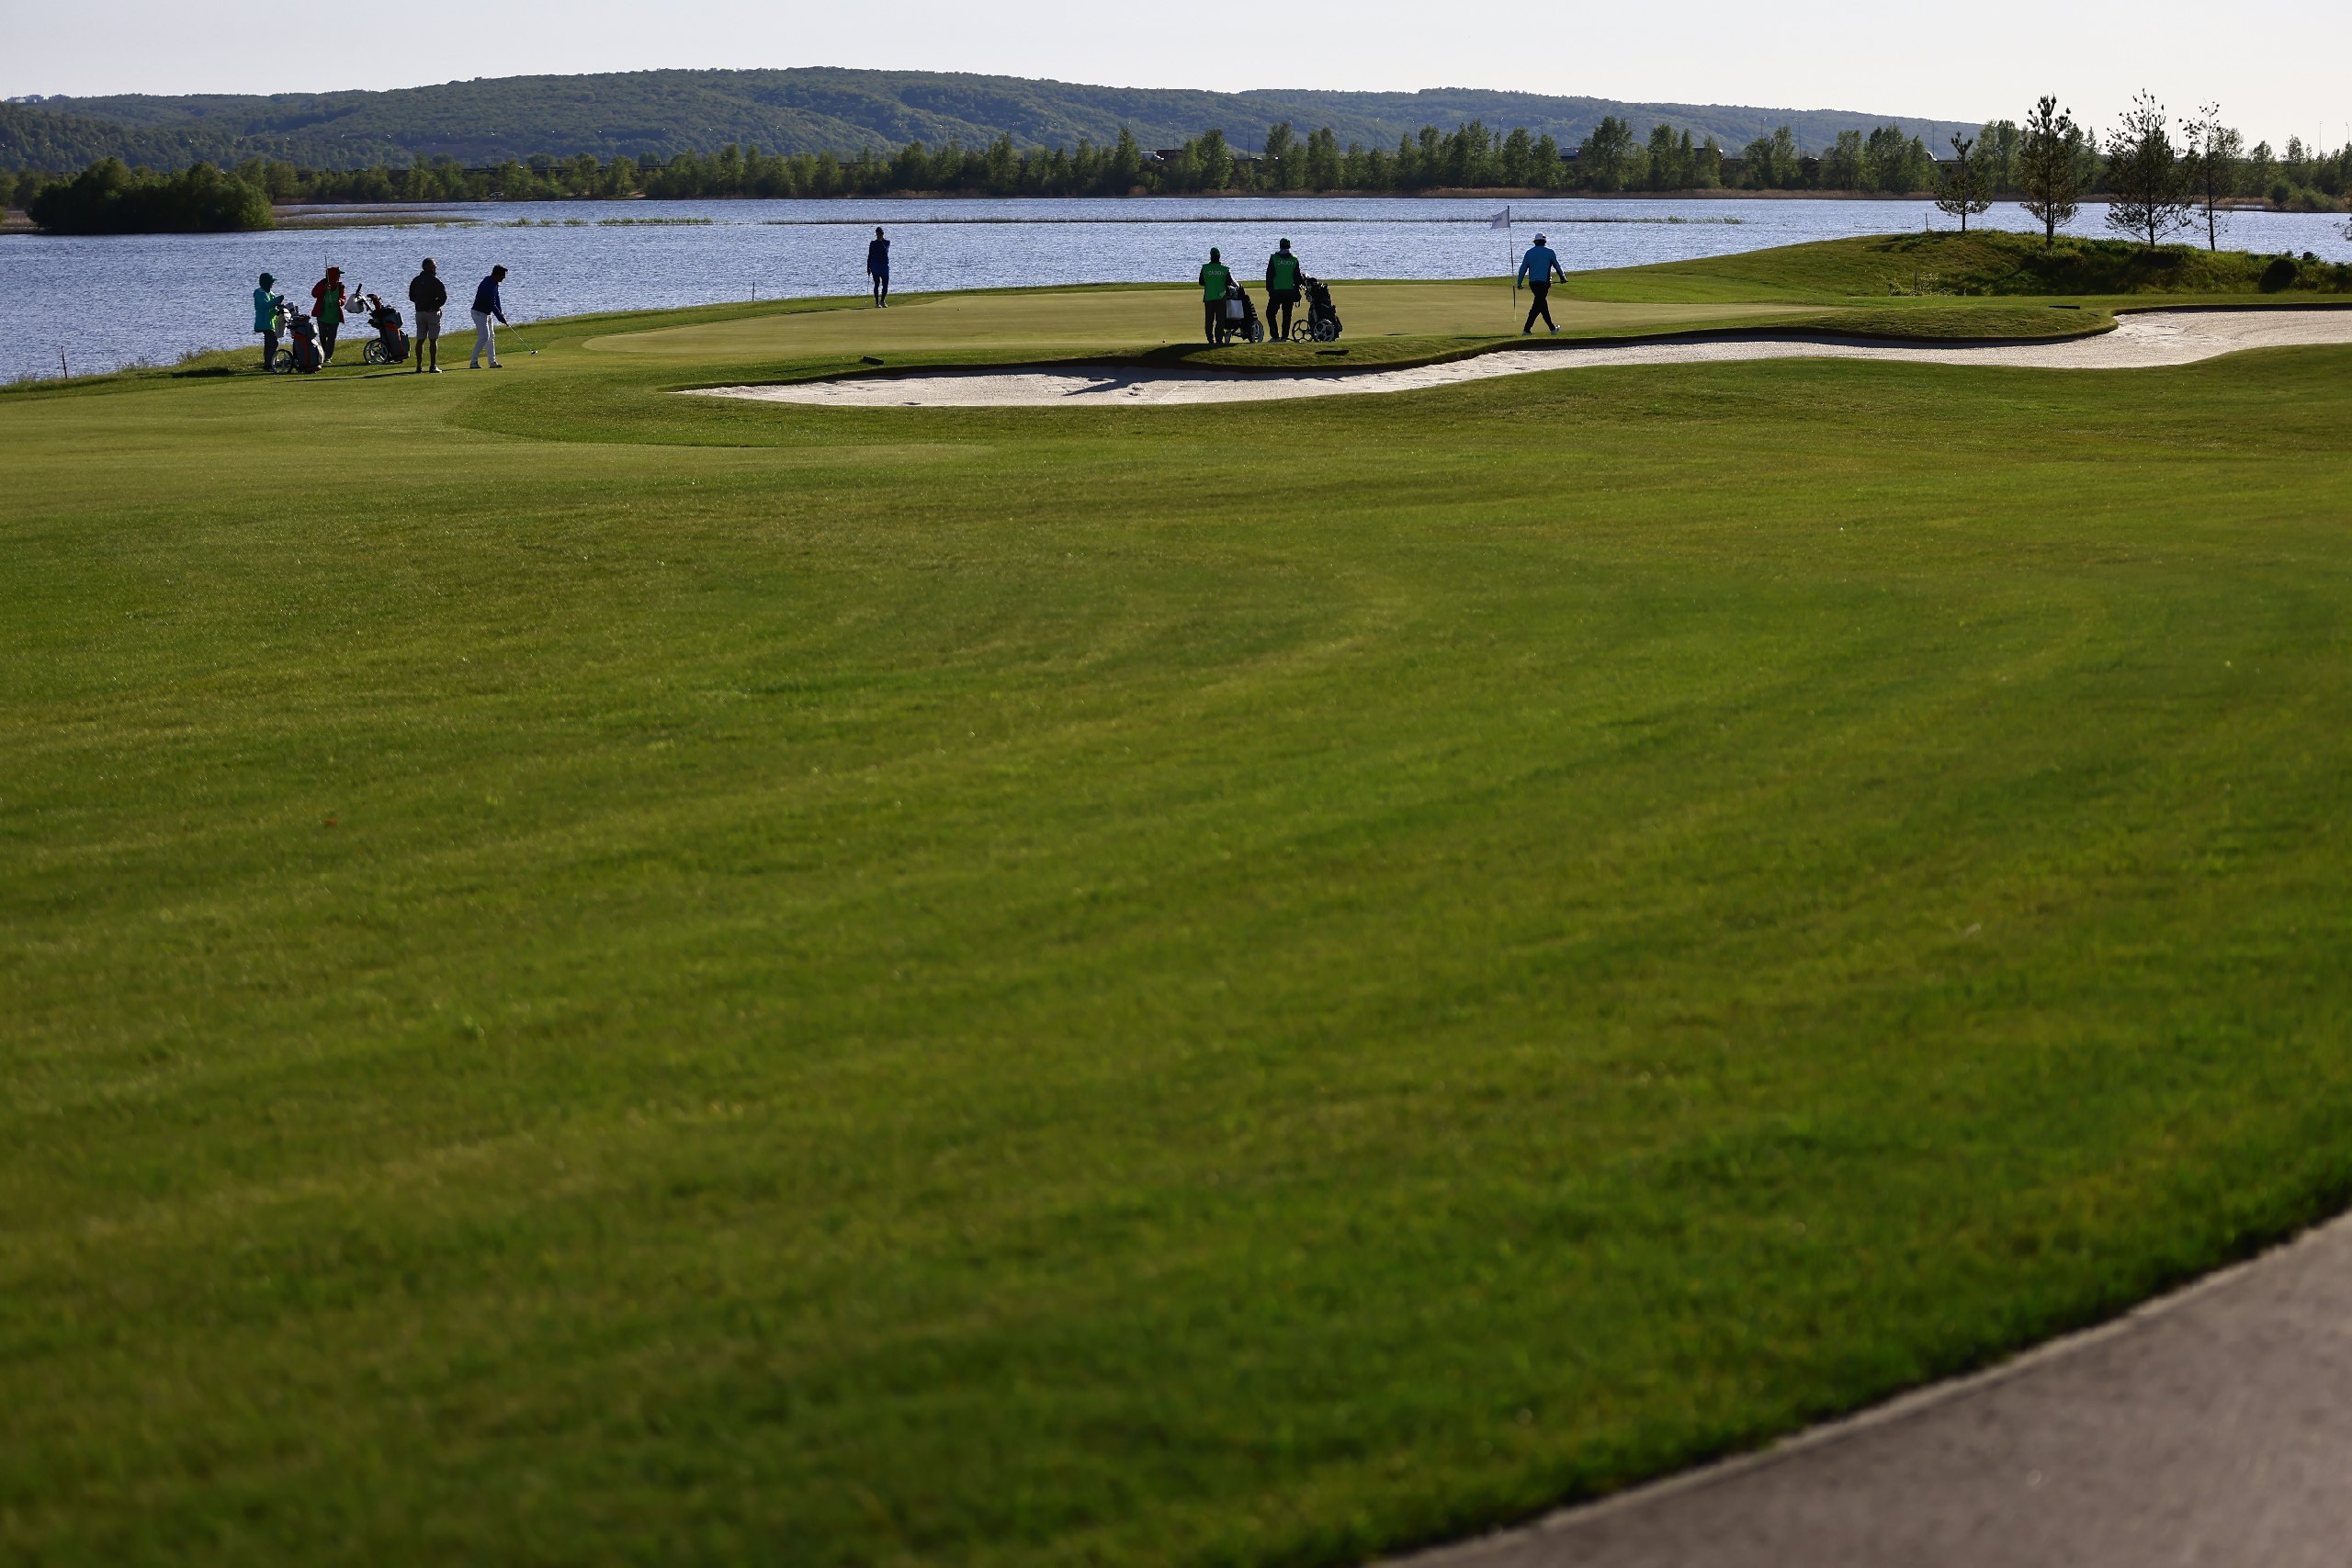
[{"x": 604, "y": 977}]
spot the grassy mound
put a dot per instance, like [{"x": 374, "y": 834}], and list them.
[
  {"x": 1985, "y": 262},
  {"x": 641, "y": 982}
]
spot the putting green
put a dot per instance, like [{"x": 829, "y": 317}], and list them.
[
  {"x": 1071, "y": 320},
  {"x": 595, "y": 975}
]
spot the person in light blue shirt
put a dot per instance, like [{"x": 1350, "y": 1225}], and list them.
[{"x": 1537, "y": 269}]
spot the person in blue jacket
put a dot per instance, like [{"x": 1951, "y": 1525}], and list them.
[
  {"x": 488, "y": 307},
  {"x": 877, "y": 268},
  {"x": 1537, "y": 269},
  {"x": 268, "y": 319}
]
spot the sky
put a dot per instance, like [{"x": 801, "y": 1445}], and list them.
[{"x": 2278, "y": 70}]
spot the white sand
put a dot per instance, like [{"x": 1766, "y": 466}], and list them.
[{"x": 2139, "y": 342}]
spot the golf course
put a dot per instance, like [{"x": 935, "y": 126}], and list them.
[{"x": 599, "y": 974}]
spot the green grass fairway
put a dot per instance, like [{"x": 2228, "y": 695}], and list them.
[
  {"x": 1108, "y": 320},
  {"x": 601, "y": 978}
]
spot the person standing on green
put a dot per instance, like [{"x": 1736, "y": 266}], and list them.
[
  {"x": 267, "y": 310},
  {"x": 1217, "y": 282},
  {"x": 327, "y": 297},
  {"x": 428, "y": 294},
  {"x": 1283, "y": 274}
]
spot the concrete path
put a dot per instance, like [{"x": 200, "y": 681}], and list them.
[
  {"x": 2139, "y": 342},
  {"x": 2213, "y": 1428}
]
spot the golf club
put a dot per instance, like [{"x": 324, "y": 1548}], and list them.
[{"x": 515, "y": 332}]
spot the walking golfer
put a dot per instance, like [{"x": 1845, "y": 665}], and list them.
[
  {"x": 1282, "y": 273},
  {"x": 877, "y": 268},
  {"x": 269, "y": 310},
  {"x": 1217, "y": 282},
  {"x": 487, "y": 308},
  {"x": 1536, "y": 269},
  {"x": 427, "y": 293}
]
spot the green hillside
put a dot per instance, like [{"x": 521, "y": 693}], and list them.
[
  {"x": 663, "y": 112},
  {"x": 38, "y": 138}
]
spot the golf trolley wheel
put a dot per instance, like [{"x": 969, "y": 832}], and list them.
[
  {"x": 1257, "y": 333},
  {"x": 1302, "y": 333},
  {"x": 284, "y": 364},
  {"x": 374, "y": 352},
  {"x": 1324, "y": 332}
]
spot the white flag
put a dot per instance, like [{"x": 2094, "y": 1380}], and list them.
[{"x": 1501, "y": 219}]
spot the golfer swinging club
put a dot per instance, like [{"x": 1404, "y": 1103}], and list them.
[{"x": 1536, "y": 269}]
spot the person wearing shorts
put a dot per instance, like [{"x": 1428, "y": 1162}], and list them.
[
  {"x": 1283, "y": 274},
  {"x": 427, "y": 294},
  {"x": 877, "y": 268}
]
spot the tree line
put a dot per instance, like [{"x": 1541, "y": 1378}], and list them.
[
  {"x": 2158, "y": 176},
  {"x": 1995, "y": 163}
]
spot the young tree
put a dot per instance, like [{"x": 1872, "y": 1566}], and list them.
[
  {"x": 1841, "y": 164},
  {"x": 1996, "y": 150},
  {"x": 1707, "y": 164},
  {"x": 2213, "y": 152},
  {"x": 1215, "y": 161},
  {"x": 1323, "y": 166},
  {"x": 1518, "y": 158},
  {"x": 2048, "y": 170},
  {"x": 2146, "y": 181},
  {"x": 1547, "y": 170},
  {"x": 1665, "y": 159},
  {"x": 1606, "y": 156},
  {"x": 1963, "y": 192},
  {"x": 1126, "y": 172},
  {"x": 2261, "y": 168},
  {"x": 1279, "y": 163},
  {"x": 1888, "y": 163}
]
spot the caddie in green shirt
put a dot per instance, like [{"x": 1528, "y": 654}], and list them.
[
  {"x": 1217, "y": 282},
  {"x": 1283, "y": 275}
]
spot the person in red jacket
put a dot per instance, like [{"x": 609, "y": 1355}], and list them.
[{"x": 327, "y": 301}]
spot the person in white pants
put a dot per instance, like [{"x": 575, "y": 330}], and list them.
[{"x": 487, "y": 308}]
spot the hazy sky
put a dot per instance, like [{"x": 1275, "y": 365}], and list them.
[{"x": 2280, "y": 68}]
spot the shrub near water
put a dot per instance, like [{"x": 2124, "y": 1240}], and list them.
[{"x": 107, "y": 197}]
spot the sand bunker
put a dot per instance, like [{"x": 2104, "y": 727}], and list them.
[{"x": 2139, "y": 342}]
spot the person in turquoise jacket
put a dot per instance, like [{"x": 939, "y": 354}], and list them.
[
  {"x": 269, "y": 313},
  {"x": 1217, "y": 282},
  {"x": 1537, "y": 269}
]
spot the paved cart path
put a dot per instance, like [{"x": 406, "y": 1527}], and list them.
[
  {"x": 2212, "y": 1427},
  {"x": 2139, "y": 342}
]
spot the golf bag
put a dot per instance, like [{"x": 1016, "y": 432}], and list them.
[
  {"x": 302, "y": 355},
  {"x": 1322, "y": 324},
  {"x": 1238, "y": 322},
  {"x": 390, "y": 346}
]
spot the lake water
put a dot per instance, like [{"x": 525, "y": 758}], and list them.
[{"x": 134, "y": 300}]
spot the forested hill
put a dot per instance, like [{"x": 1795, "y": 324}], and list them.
[
  {"x": 653, "y": 114},
  {"x": 42, "y": 137}
]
